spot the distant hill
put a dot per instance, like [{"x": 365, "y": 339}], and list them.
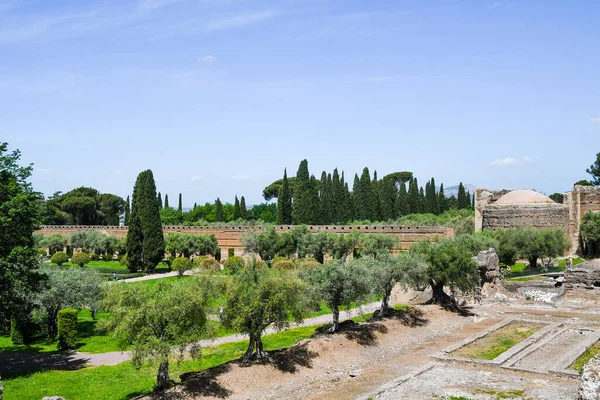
[{"x": 453, "y": 190}]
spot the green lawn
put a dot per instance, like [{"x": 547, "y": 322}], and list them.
[
  {"x": 585, "y": 357},
  {"x": 521, "y": 270},
  {"x": 123, "y": 381},
  {"x": 113, "y": 266}
]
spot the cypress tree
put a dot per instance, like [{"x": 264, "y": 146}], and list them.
[
  {"x": 236, "y": 209},
  {"x": 338, "y": 198},
  {"x": 145, "y": 238},
  {"x": 180, "y": 208},
  {"x": 402, "y": 204},
  {"x": 219, "y": 214},
  {"x": 443, "y": 201},
  {"x": 376, "y": 189},
  {"x": 326, "y": 199},
  {"x": 243, "y": 211},
  {"x": 421, "y": 200},
  {"x": 315, "y": 201},
  {"x": 302, "y": 207},
  {"x": 413, "y": 196},
  {"x": 388, "y": 194},
  {"x": 468, "y": 197},
  {"x": 166, "y": 201},
  {"x": 195, "y": 205},
  {"x": 127, "y": 211},
  {"x": 427, "y": 198},
  {"x": 284, "y": 202},
  {"x": 461, "y": 201},
  {"x": 365, "y": 198},
  {"x": 350, "y": 209},
  {"x": 435, "y": 201},
  {"x": 160, "y": 201}
]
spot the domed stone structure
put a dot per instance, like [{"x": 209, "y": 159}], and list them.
[
  {"x": 496, "y": 209},
  {"x": 520, "y": 197}
]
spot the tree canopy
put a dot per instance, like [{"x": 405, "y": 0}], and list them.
[{"x": 594, "y": 171}]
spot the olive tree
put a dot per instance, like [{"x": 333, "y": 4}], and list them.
[
  {"x": 67, "y": 288},
  {"x": 339, "y": 283},
  {"x": 260, "y": 297},
  {"x": 449, "y": 264},
  {"x": 181, "y": 264},
  {"x": 54, "y": 243},
  {"x": 158, "y": 321}
]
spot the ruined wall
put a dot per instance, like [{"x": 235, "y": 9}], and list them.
[
  {"x": 580, "y": 200},
  {"x": 536, "y": 215},
  {"x": 484, "y": 197},
  {"x": 230, "y": 236}
]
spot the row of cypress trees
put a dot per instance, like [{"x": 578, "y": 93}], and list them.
[{"x": 330, "y": 201}]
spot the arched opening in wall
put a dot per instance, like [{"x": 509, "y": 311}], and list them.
[{"x": 596, "y": 284}]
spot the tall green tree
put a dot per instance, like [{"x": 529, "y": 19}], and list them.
[
  {"x": 19, "y": 216},
  {"x": 365, "y": 198},
  {"x": 326, "y": 198},
  {"x": 376, "y": 188},
  {"x": 160, "y": 202},
  {"x": 462, "y": 199},
  {"x": 389, "y": 193},
  {"x": 442, "y": 200},
  {"x": 127, "y": 211},
  {"x": 219, "y": 215},
  {"x": 303, "y": 211},
  {"x": 243, "y": 210},
  {"x": 402, "y": 206},
  {"x": 237, "y": 213},
  {"x": 180, "y": 207},
  {"x": 594, "y": 171},
  {"x": 338, "y": 201},
  {"x": 284, "y": 202},
  {"x": 166, "y": 201},
  {"x": 145, "y": 239},
  {"x": 414, "y": 203}
]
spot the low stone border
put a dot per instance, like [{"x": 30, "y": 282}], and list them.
[{"x": 398, "y": 381}]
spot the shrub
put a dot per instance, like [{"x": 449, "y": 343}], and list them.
[
  {"x": 181, "y": 264},
  {"x": 230, "y": 252},
  {"x": 169, "y": 260},
  {"x": 278, "y": 259},
  {"x": 80, "y": 259},
  {"x": 218, "y": 254},
  {"x": 234, "y": 263},
  {"x": 106, "y": 257},
  {"x": 59, "y": 258},
  {"x": 94, "y": 257},
  {"x": 284, "y": 265},
  {"x": 17, "y": 333},
  {"x": 198, "y": 260},
  {"x": 307, "y": 263},
  {"x": 123, "y": 260},
  {"x": 67, "y": 328},
  {"x": 210, "y": 264}
]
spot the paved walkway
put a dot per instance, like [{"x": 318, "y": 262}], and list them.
[{"x": 13, "y": 362}]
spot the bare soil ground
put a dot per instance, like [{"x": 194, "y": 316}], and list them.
[{"x": 363, "y": 359}]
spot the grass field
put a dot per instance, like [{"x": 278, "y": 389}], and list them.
[
  {"x": 520, "y": 270},
  {"x": 498, "y": 341},
  {"x": 123, "y": 381}
]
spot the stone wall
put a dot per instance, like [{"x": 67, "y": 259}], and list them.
[
  {"x": 230, "y": 236},
  {"x": 536, "y": 215},
  {"x": 580, "y": 200},
  {"x": 483, "y": 198}
]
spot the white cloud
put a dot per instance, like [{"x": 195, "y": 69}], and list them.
[
  {"x": 511, "y": 161},
  {"x": 596, "y": 121},
  {"x": 209, "y": 59},
  {"x": 240, "y": 177},
  {"x": 195, "y": 178},
  {"x": 240, "y": 20}
]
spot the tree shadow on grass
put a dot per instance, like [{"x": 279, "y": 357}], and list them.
[
  {"x": 411, "y": 317},
  {"x": 15, "y": 364}
]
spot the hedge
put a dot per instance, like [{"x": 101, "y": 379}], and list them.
[
  {"x": 210, "y": 264},
  {"x": 80, "y": 259},
  {"x": 59, "y": 258},
  {"x": 17, "y": 333},
  {"x": 67, "y": 328},
  {"x": 234, "y": 263},
  {"x": 284, "y": 265},
  {"x": 198, "y": 260}
]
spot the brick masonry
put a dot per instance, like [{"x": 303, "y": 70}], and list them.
[{"x": 230, "y": 236}]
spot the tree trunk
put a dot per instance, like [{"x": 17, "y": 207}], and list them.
[
  {"x": 162, "y": 378},
  {"x": 250, "y": 350},
  {"x": 336, "y": 318},
  {"x": 533, "y": 262},
  {"x": 385, "y": 305},
  {"x": 438, "y": 296}
]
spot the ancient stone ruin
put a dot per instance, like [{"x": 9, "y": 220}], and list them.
[
  {"x": 589, "y": 388},
  {"x": 583, "y": 276},
  {"x": 488, "y": 266},
  {"x": 495, "y": 209}
]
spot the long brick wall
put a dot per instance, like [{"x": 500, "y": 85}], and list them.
[{"x": 230, "y": 236}]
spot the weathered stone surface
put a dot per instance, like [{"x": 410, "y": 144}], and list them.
[
  {"x": 1, "y": 390},
  {"x": 589, "y": 386},
  {"x": 488, "y": 264},
  {"x": 584, "y": 275},
  {"x": 536, "y": 215},
  {"x": 548, "y": 291}
]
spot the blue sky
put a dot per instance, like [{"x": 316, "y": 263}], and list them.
[{"x": 217, "y": 97}]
